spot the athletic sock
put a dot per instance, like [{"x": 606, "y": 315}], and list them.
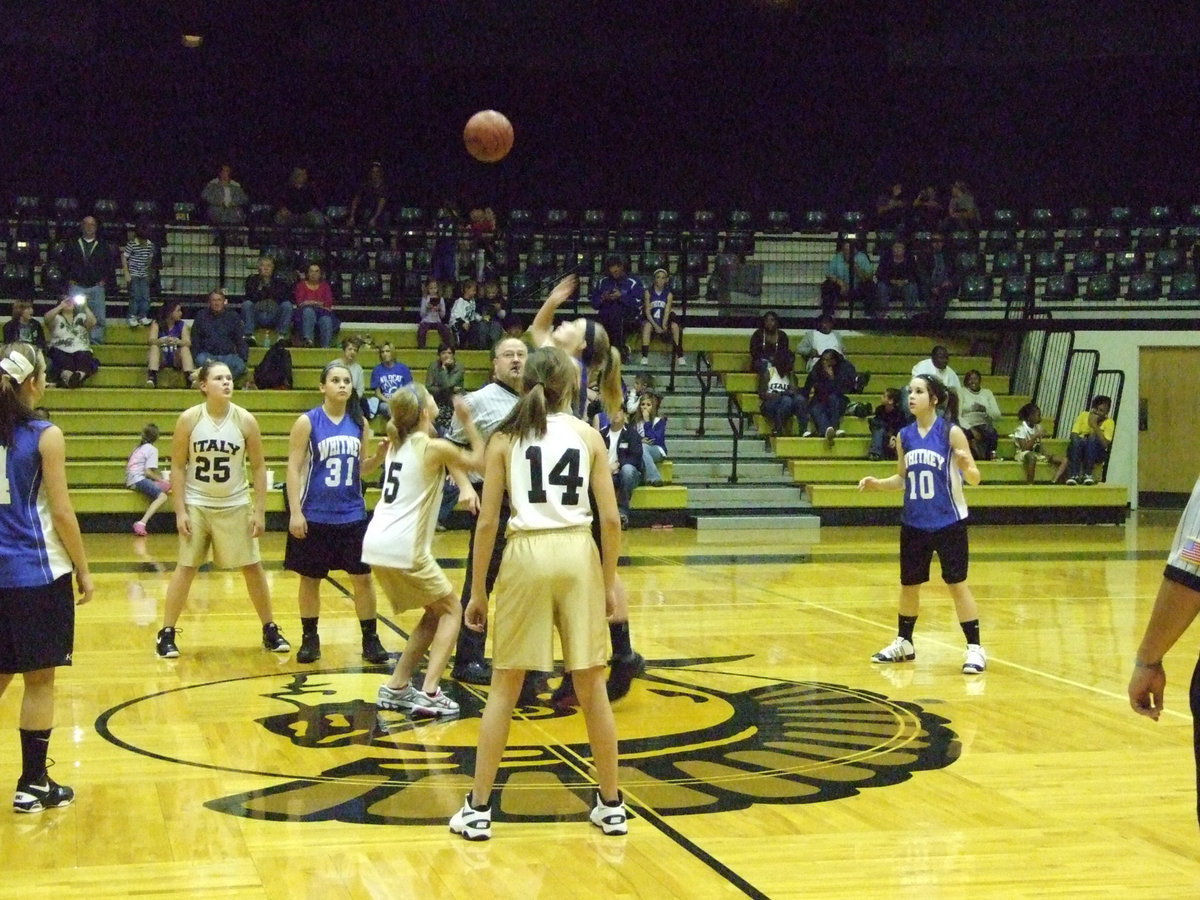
[
  {"x": 618, "y": 633},
  {"x": 645, "y": 349},
  {"x": 34, "y": 744},
  {"x": 152, "y": 375},
  {"x": 368, "y": 626},
  {"x": 906, "y": 626},
  {"x": 308, "y": 625},
  {"x": 971, "y": 630}
]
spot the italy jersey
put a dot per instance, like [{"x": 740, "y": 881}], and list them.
[
  {"x": 401, "y": 530},
  {"x": 332, "y": 489},
  {"x": 933, "y": 492},
  {"x": 216, "y": 468},
  {"x": 33, "y": 554},
  {"x": 549, "y": 477}
]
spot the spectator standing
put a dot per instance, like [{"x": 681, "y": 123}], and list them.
[
  {"x": 618, "y": 300},
  {"x": 1091, "y": 436},
  {"x": 444, "y": 380},
  {"x": 368, "y": 207},
  {"x": 388, "y": 376},
  {"x": 137, "y": 265},
  {"x": 217, "y": 336},
  {"x": 891, "y": 209},
  {"x": 927, "y": 211},
  {"x": 23, "y": 327},
  {"x": 170, "y": 340},
  {"x": 978, "y": 414},
  {"x": 71, "y": 358},
  {"x": 896, "y": 277},
  {"x": 937, "y": 365},
  {"x": 225, "y": 198},
  {"x": 267, "y": 303},
  {"x": 87, "y": 263},
  {"x": 368, "y": 405},
  {"x": 849, "y": 278},
  {"x": 314, "y": 308},
  {"x": 433, "y": 315},
  {"x": 768, "y": 343}
]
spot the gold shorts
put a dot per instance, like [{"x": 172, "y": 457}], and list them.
[
  {"x": 423, "y": 585},
  {"x": 550, "y": 580},
  {"x": 227, "y": 530}
]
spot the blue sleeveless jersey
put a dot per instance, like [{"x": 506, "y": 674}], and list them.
[
  {"x": 332, "y": 492},
  {"x": 658, "y": 305},
  {"x": 33, "y": 555},
  {"x": 933, "y": 493}
]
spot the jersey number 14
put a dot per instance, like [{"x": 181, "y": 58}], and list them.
[{"x": 564, "y": 474}]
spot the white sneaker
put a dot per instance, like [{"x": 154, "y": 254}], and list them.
[
  {"x": 898, "y": 650},
  {"x": 807, "y": 434},
  {"x": 1088, "y": 480},
  {"x": 435, "y": 704},
  {"x": 473, "y": 824},
  {"x": 974, "y": 660},
  {"x": 131, "y": 322},
  {"x": 390, "y": 698},
  {"x": 645, "y": 361},
  {"x": 840, "y": 433},
  {"x": 145, "y": 321},
  {"x": 609, "y": 819}
]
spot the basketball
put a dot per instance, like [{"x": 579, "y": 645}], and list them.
[{"x": 488, "y": 136}]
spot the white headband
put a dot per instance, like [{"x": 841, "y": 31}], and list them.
[{"x": 17, "y": 366}]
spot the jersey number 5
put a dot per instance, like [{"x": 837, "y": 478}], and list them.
[
  {"x": 391, "y": 481},
  {"x": 564, "y": 474}
]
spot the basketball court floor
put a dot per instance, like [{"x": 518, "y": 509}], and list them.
[{"x": 763, "y": 754}]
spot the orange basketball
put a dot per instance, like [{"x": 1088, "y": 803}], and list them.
[{"x": 488, "y": 136}]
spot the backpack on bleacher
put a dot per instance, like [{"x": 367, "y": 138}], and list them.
[{"x": 275, "y": 370}]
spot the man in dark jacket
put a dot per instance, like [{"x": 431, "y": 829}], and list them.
[
  {"x": 895, "y": 277},
  {"x": 624, "y": 459},
  {"x": 617, "y": 300},
  {"x": 217, "y": 336},
  {"x": 88, "y": 264},
  {"x": 268, "y": 303}
]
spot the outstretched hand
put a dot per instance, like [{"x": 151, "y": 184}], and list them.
[{"x": 563, "y": 291}]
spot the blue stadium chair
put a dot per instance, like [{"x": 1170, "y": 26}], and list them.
[
  {"x": 336, "y": 214},
  {"x": 1042, "y": 217},
  {"x": 977, "y": 289},
  {"x": 883, "y": 242},
  {"x": 1080, "y": 217},
  {"x": 1047, "y": 262},
  {"x": 366, "y": 287},
  {"x": 1008, "y": 262},
  {"x": 970, "y": 262},
  {"x": 349, "y": 260},
  {"x": 1061, "y": 288},
  {"x": 1185, "y": 287},
  {"x": 1101, "y": 288},
  {"x": 1090, "y": 262},
  {"x": 1168, "y": 261},
  {"x": 815, "y": 221},
  {"x": 779, "y": 221},
  {"x": 1128, "y": 262},
  {"x": 1037, "y": 239},
  {"x": 1016, "y": 291},
  {"x": 389, "y": 262},
  {"x": 1144, "y": 286},
  {"x": 1151, "y": 237}
]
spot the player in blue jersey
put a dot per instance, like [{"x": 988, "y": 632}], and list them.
[
  {"x": 327, "y": 457},
  {"x": 933, "y": 460},
  {"x": 42, "y": 544}
]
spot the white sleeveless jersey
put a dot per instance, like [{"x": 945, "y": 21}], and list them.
[
  {"x": 216, "y": 467},
  {"x": 549, "y": 477},
  {"x": 777, "y": 383},
  {"x": 401, "y": 530}
]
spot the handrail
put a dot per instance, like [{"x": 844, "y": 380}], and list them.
[
  {"x": 738, "y": 427},
  {"x": 705, "y": 375}
]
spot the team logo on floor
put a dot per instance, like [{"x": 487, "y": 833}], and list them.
[{"x": 696, "y": 736}]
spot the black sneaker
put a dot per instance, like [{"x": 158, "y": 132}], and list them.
[
  {"x": 274, "y": 640},
  {"x": 473, "y": 672},
  {"x": 310, "y": 648},
  {"x": 621, "y": 673},
  {"x": 251, "y": 341},
  {"x": 32, "y": 798},
  {"x": 564, "y": 695},
  {"x": 373, "y": 650},
  {"x": 165, "y": 645}
]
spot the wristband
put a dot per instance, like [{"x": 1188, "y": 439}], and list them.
[{"x": 1138, "y": 664}]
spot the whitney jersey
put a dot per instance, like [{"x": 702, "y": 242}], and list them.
[
  {"x": 216, "y": 466},
  {"x": 402, "y": 527},
  {"x": 33, "y": 554},
  {"x": 933, "y": 486},
  {"x": 549, "y": 477},
  {"x": 658, "y": 305},
  {"x": 331, "y": 490}
]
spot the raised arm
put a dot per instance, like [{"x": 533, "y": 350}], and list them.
[{"x": 543, "y": 322}]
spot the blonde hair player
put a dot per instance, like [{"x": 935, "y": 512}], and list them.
[
  {"x": 551, "y": 578},
  {"x": 399, "y": 540},
  {"x": 586, "y": 343},
  {"x": 42, "y": 544},
  {"x": 213, "y": 444}
]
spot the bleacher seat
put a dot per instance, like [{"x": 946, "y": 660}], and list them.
[
  {"x": 702, "y": 242},
  {"x": 666, "y": 220},
  {"x": 540, "y": 264},
  {"x": 594, "y": 218},
  {"x": 1168, "y": 261},
  {"x": 739, "y": 242},
  {"x": 1004, "y": 219},
  {"x": 1186, "y": 236},
  {"x": 183, "y": 212},
  {"x": 1090, "y": 262},
  {"x": 1184, "y": 286},
  {"x": 32, "y": 224},
  {"x": 1151, "y": 237},
  {"x": 16, "y": 280},
  {"x": 520, "y": 230},
  {"x": 704, "y": 220},
  {"x": 349, "y": 260},
  {"x": 1080, "y": 217},
  {"x": 1037, "y": 239},
  {"x": 1008, "y": 262},
  {"x": 977, "y": 289},
  {"x": 1128, "y": 262},
  {"x": 960, "y": 240},
  {"x": 1000, "y": 239},
  {"x": 1144, "y": 286},
  {"x": 583, "y": 263},
  {"x": 557, "y": 219},
  {"x": 1120, "y": 216},
  {"x": 412, "y": 218},
  {"x": 389, "y": 262},
  {"x": 693, "y": 264},
  {"x": 1047, "y": 262},
  {"x": 1193, "y": 214},
  {"x": 629, "y": 242},
  {"x": 1101, "y": 287},
  {"x": 1160, "y": 216},
  {"x": 366, "y": 287},
  {"x": 1061, "y": 288},
  {"x": 23, "y": 253},
  {"x": 779, "y": 221},
  {"x": 666, "y": 241},
  {"x": 1075, "y": 239},
  {"x": 522, "y": 287},
  {"x": 1042, "y": 217},
  {"x": 853, "y": 220},
  {"x": 815, "y": 220},
  {"x": 112, "y": 225},
  {"x": 969, "y": 262},
  {"x": 654, "y": 260},
  {"x": 1112, "y": 237},
  {"x": 66, "y": 210},
  {"x": 740, "y": 220},
  {"x": 54, "y": 281},
  {"x": 1016, "y": 290}
]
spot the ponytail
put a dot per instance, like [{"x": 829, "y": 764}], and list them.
[{"x": 18, "y": 363}]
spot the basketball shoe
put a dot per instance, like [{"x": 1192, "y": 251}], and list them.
[{"x": 899, "y": 650}]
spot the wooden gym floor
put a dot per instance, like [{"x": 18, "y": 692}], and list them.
[{"x": 763, "y": 754}]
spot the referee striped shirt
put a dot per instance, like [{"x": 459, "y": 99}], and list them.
[
  {"x": 490, "y": 405},
  {"x": 138, "y": 257}
]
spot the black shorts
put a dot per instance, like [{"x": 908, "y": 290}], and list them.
[
  {"x": 327, "y": 548},
  {"x": 37, "y": 626},
  {"x": 917, "y": 548}
]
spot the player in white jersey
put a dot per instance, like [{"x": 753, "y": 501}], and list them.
[
  {"x": 587, "y": 343},
  {"x": 551, "y": 577},
  {"x": 1175, "y": 608},
  {"x": 213, "y": 444},
  {"x": 399, "y": 542},
  {"x": 41, "y": 545}
]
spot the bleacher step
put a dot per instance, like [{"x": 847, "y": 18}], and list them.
[{"x": 771, "y": 522}]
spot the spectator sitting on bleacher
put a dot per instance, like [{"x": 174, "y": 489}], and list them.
[
  {"x": 768, "y": 343},
  {"x": 978, "y": 413},
  {"x": 624, "y": 457},
  {"x": 891, "y": 208},
  {"x": 889, "y": 418},
  {"x": 831, "y": 379},
  {"x": 896, "y": 276},
  {"x": 617, "y": 298},
  {"x": 368, "y": 403},
  {"x": 818, "y": 339},
  {"x": 300, "y": 206},
  {"x": 268, "y": 303},
  {"x": 465, "y": 319},
  {"x": 927, "y": 210},
  {"x": 652, "y": 428},
  {"x": 70, "y": 324},
  {"x": 937, "y": 279},
  {"x": 849, "y": 278},
  {"x": 1028, "y": 439},
  {"x": 494, "y": 314},
  {"x": 937, "y": 365},
  {"x": 23, "y": 327},
  {"x": 779, "y": 396},
  {"x": 444, "y": 379},
  {"x": 962, "y": 213},
  {"x": 388, "y": 376},
  {"x": 225, "y": 198},
  {"x": 370, "y": 200},
  {"x": 314, "y": 308},
  {"x": 217, "y": 336},
  {"x": 658, "y": 318},
  {"x": 170, "y": 340},
  {"x": 433, "y": 315},
  {"x": 1091, "y": 437}
]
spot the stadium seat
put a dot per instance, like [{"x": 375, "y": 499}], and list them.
[
  {"x": 634, "y": 241},
  {"x": 54, "y": 281},
  {"x": 693, "y": 264},
  {"x": 853, "y": 221},
  {"x": 66, "y": 210},
  {"x": 336, "y": 214},
  {"x": 1168, "y": 261},
  {"x": 1128, "y": 262},
  {"x": 1090, "y": 262},
  {"x": 1016, "y": 290},
  {"x": 1112, "y": 237},
  {"x": 666, "y": 241},
  {"x": 687, "y": 286},
  {"x": 26, "y": 253},
  {"x": 183, "y": 212},
  {"x": 557, "y": 219},
  {"x": 594, "y": 218},
  {"x": 1000, "y": 239},
  {"x": 970, "y": 262},
  {"x": 1160, "y": 217},
  {"x": 412, "y": 218},
  {"x": 1193, "y": 214},
  {"x": 1004, "y": 219},
  {"x": 961, "y": 240},
  {"x": 389, "y": 262},
  {"x": 1075, "y": 239},
  {"x": 1080, "y": 217},
  {"x": 779, "y": 221},
  {"x": 1120, "y": 216},
  {"x": 1061, "y": 288},
  {"x": 739, "y": 242},
  {"x": 1037, "y": 239},
  {"x": 1151, "y": 237},
  {"x": 653, "y": 260},
  {"x": 702, "y": 241},
  {"x": 884, "y": 241},
  {"x": 666, "y": 220},
  {"x": 582, "y": 263},
  {"x": 1101, "y": 287},
  {"x": 1144, "y": 286},
  {"x": 1186, "y": 236},
  {"x": 349, "y": 260},
  {"x": 366, "y": 287},
  {"x": 1008, "y": 262},
  {"x": 704, "y": 219},
  {"x": 815, "y": 220},
  {"x": 520, "y": 231},
  {"x": 1042, "y": 217},
  {"x": 977, "y": 289},
  {"x": 32, "y": 224},
  {"x": 1185, "y": 286},
  {"x": 740, "y": 220},
  {"x": 1047, "y": 262},
  {"x": 540, "y": 264},
  {"x": 522, "y": 287}
]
